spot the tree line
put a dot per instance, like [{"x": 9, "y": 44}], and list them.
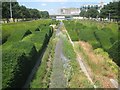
[
  {"x": 110, "y": 11},
  {"x": 21, "y": 12}
]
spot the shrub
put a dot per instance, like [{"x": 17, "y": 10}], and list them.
[
  {"x": 37, "y": 29},
  {"x": 18, "y": 64},
  {"x": 104, "y": 39},
  {"x": 21, "y": 50},
  {"x": 28, "y": 32},
  {"x": 114, "y": 52}
]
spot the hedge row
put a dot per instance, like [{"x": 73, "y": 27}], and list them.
[
  {"x": 20, "y": 53},
  {"x": 114, "y": 52},
  {"x": 103, "y": 38}
]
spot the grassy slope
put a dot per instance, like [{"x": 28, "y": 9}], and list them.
[
  {"x": 76, "y": 79},
  {"x": 106, "y": 66},
  {"x": 102, "y": 67}
]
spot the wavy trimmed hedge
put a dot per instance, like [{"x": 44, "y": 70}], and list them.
[
  {"x": 104, "y": 37},
  {"x": 114, "y": 52},
  {"x": 21, "y": 50}
]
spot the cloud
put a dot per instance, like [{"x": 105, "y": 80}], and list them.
[
  {"x": 43, "y": 0},
  {"x": 54, "y": 0},
  {"x": 62, "y": 0},
  {"x": 43, "y": 4},
  {"x": 51, "y": 9},
  {"x": 64, "y": 7}
]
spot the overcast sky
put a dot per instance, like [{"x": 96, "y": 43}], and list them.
[{"x": 53, "y": 6}]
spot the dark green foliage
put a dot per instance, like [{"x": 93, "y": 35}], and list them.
[
  {"x": 44, "y": 14},
  {"x": 37, "y": 81},
  {"x": 18, "y": 64},
  {"x": 28, "y": 32},
  {"x": 21, "y": 12},
  {"x": 21, "y": 51},
  {"x": 82, "y": 13},
  {"x": 4, "y": 39},
  {"x": 72, "y": 30},
  {"x": 55, "y": 22},
  {"x": 37, "y": 29},
  {"x": 92, "y": 12},
  {"x": 104, "y": 38},
  {"x": 112, "y": 8},
  {"x": 16, "y": 36},
  {"x": 5, "y": 10},
  {"x": 114, "y": 52}
]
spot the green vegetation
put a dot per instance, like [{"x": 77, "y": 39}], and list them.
[
  {"x": 111, "y": 9},
  {"x": 17, "y": 63},
  {"x": 114, "y": 52},
  {"x": 101, "y": 67},
  {"x": 42, "y": 76},
  {"x": 21, "y": 12},
  {"x": 71, "y": 30},
  {"x": 98, "y": 34},
  {"x": 21, "y": 49},
  {"x": 76, "y": 78}
]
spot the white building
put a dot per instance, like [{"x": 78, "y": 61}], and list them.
[
  {"x": 70, "y": 11},
  {"x": 98, "y": 6},
  {"x": 60, "y": 17}
]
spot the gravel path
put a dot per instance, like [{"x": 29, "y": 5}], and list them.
[{"x": 58, "y": 79}]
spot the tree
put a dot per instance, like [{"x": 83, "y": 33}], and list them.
[
  {"x": 24, "y": 12},
  {"x": 16, "y": 10},
  {"x": 92, "y": 12},
  {"x": 21, "y": 12},
  {"x": 44, "y": 14},
  {"x": 34, "y": 13},
  {"x": 6, "y": 10},
  {"x": 111, "y": 9},
  {"x": 82, "y": 13}
]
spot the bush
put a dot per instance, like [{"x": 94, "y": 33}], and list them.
[
  {"x": 21, "y": 50},
  {"x": 114, "y": 52},
  {"x": 18, "y": 64},
  {"x": 28, "y": 32},
  {"x": 37, "y": 29},
  {"x": 104, "y": 39}
]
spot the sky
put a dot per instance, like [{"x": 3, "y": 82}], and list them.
[{"x": 53, "y": 6}]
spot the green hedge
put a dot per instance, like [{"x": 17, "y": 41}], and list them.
[
  {"x": 114, "y": 52},
  {"x": 104, "y": 39},
  {"x": 17, "y": 64},
  {"x": 21, "y": 50}
]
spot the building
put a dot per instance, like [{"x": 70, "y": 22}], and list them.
[
  {"x": 115, "y": 0},
  {"x": 70, "y": 11},
  {"x": 98, "y": 6},
  {"x": 60, "y": 17}
]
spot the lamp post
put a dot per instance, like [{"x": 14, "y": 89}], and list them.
[
  {"x": 11, "y": 19},
  {"x": 109, "y": 16}
]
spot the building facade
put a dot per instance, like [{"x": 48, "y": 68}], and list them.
[
  {"x": 70, "y": 11},
  {"x": 98, "y": 6}
]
